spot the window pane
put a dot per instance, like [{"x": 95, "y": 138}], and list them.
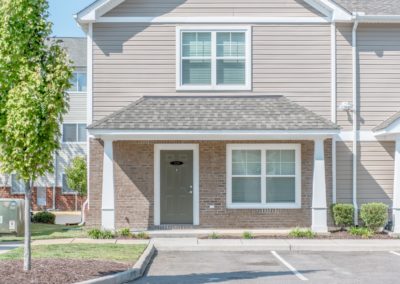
[
  {"x": 196, "y": 72},
  {"x": 65, "y": 187},
  {"x": 246, "y": 190},
  {"x": 81, "y": 82},
  {"x": 69, "y": 133},
  {"x": 230, "y": 44},
  {"x": 246, "y": 162},
  {"x": 288, "y": 156},
  {"x": 82, "y": 132},
  {"x": 288, "y": 169},
  {"x": 281, "y": 190},
  {"x": 74, "y": 82},
  {"x": 273, "y": 156},
  {"x": 239, "y": 169},
  {"x": 273, "y": 168},
  {"x": 231, "y": 72},
  {"x": 196, "y": 44},
  {"x": 17, "y": 185}
]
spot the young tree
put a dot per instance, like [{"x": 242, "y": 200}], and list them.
[
  {"x": 34, "y": 77},
  {"x": 76, "y": 174}
]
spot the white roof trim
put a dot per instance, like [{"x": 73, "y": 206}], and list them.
[
  {"x": 392, "y": 129},
  {"x": 211, "y": 134},
  {"x": 93, "y": 12},
  {"x": 378, "y": 18}
]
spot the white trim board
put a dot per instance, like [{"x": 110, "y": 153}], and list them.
[{"x": 157, "y": 186}]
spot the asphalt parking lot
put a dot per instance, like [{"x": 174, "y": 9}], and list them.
[{"x": 273, "y": 267}]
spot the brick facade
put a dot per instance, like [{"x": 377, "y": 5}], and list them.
[
  {"x": 134, "y": 187},
  {"x": 64, "y": 202}
]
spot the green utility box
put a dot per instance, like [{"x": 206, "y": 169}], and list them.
[{"x": 12, "y": 216}]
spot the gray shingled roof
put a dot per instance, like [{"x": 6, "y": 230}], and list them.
[
  {"x": 371, "y": 7},
  {"x": 76, "y": 48},
  {"x": 387, "y": 122},
  {"x": 214, "y": 113}
]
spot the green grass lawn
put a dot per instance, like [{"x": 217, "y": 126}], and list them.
[
  {"x": 47, "y": 231},
  {"x": 109, "y": 252}
]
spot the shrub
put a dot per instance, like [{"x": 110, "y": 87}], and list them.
[
  {"x": 44, "y": 217},
  {"x": 247, "y": 235},
  {"x": 363, "y": 232},
  {"x": 374, "y": 215},
  {"x": 304, "y": 234},
  {"x": 125, "y": 232},
  {"x": 142, "y": 235},
  {"x": 343, "y": 214},
  {"x": 214, "y": 235},
  {"x": 99, "y": 234}
]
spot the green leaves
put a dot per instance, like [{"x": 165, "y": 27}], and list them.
[
  {"x": 34, "y": 77},
  {"x": 76, "y": 175}
]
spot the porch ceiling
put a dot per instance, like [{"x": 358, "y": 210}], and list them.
[{"x": 214, "y": 113}]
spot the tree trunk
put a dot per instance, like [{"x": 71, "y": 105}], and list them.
[{"x": 27, "y": 238}]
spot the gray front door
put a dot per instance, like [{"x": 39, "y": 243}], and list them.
[{"x": 176, "y": 186}]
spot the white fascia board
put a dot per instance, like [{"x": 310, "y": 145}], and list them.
[
  {"x": 95, "y": 10},
  {"x": 215, "y": 20},
  {"x": 212, "y": 135},
  {"x": 338, "y": 13},
  {"x": 392, "y": 130},
  {"x": 379, "y": 18}
]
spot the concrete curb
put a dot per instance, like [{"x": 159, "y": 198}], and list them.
[{"x": 134, "y": 273}]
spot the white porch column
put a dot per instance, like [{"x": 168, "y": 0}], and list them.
[
  {"x": 107, "y": 199},
  {"x": 396, "y": 188},
  {"x": 319, "y": 209}
]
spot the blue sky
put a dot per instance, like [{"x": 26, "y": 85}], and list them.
[{"x": 61, "y": 14}]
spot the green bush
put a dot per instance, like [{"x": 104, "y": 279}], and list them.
[
  {"x": 214, "y": 235},
  {"x": 363, "y": 232},
  {"x": 247, "y": 235},
  {"x": 374, "y": 215},
  {"x": 44, "y": 217},
  {"x": 99, "y": 234},
  {"x": 304, "y": 234},
  {"x": 142, "y": 235},
  {"x": 125, "y": 232},
  {"x": 343, "y": 214}
]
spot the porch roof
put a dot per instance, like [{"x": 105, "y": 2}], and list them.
[
  {"x": 388, "y": 126},
  {"x": 252, "y": 112}
]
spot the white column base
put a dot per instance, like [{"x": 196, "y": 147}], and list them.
[
  {"x": 396, "y": 220},
  {"x": 107, "y": 219},
  {"x": 319, "y": 217}
]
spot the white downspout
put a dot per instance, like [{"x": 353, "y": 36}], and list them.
[
  {"x": 333, "y": 106},
  {"x": 55, "y": 180},
  {"x": 355, "y": 118}
]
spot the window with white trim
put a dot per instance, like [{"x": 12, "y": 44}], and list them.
[
  {"x": 264, "y": 176},
  {"x": 65, "y": 188},
  {"x": 74, "y": 132},
  {"x": 78, "y": 82},
  {"x": 214, "y": 59},
  {"x": 17, "y": 185}
]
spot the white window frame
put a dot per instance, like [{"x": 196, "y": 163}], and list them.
[
  {"x": 62, "y": 187},
  {"x": 214, "y": 87},
  {"x": 76, "y": 91},
  {"x": 263, "y": 148},
  {"x": 77, "y": 133}
]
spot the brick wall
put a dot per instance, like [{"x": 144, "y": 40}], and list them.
[
  {"x": 134, "y": 186},
  {"x": 64, "y": 202}
]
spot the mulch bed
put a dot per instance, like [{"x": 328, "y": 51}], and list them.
[
  {"x": 332, "y": 235},
  {"x": 58, "y": 271}
]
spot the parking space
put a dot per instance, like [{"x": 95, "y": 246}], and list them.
[{"x": 273, "y": 267}]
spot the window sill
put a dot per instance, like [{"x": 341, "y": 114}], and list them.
[
  {"x": 264, "y": 206},
  {"x": 74, "y": 143},
  {"x": 214, "y": 88}
]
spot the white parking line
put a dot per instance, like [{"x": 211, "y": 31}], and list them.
[
  {"x": 290, "y": 267},
  {"x": 396, "y": 253}
]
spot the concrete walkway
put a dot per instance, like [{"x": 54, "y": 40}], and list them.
[
  {"x": 194, "y": 244},
  {"x": 6, "y": 247}
]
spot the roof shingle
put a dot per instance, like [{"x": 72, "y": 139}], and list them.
[
  {"x": 214, "y": 113},
  {"x": 371, "y": 7}
]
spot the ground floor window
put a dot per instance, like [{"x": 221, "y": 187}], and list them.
[
  {"x": 264, "y": 176},
  {"x": 65, "y": 187},
  {"x": 17, "y": 185}
]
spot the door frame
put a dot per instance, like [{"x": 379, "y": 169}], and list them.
[{"x": 157, "y": 178}]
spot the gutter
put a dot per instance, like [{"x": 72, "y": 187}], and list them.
[
  {"x": 362, "y": 18},
  {"x": 355, "y": 118}
]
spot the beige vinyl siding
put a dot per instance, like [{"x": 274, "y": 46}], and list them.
[
  {"x": 77, "y": 108},
  {"x": 379, "y": 55},
  {"x": 344, "y": 69},
  {"x": 131, "y": 60},
  {"x": 183, "y": 8},
  {"x": 375, "y": 172}
]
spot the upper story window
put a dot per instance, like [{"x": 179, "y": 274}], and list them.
[
  {"x": 214, "y": 59},
  {"x": 74, "y": 132},
  {"x": 78, "y": 82}
]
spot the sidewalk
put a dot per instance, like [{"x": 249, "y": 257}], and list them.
[{"x": 194, "y": 244}]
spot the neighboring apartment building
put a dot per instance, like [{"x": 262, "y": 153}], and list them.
[
  {"x": 51, "y": 191},
  {"x": 241, "y": 113}
]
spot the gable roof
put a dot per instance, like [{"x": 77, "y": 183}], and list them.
[
  {"x": 371, "y": 7},
  {"x": 386, "y": 123},
  {"x": 214, "y": 113}
]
